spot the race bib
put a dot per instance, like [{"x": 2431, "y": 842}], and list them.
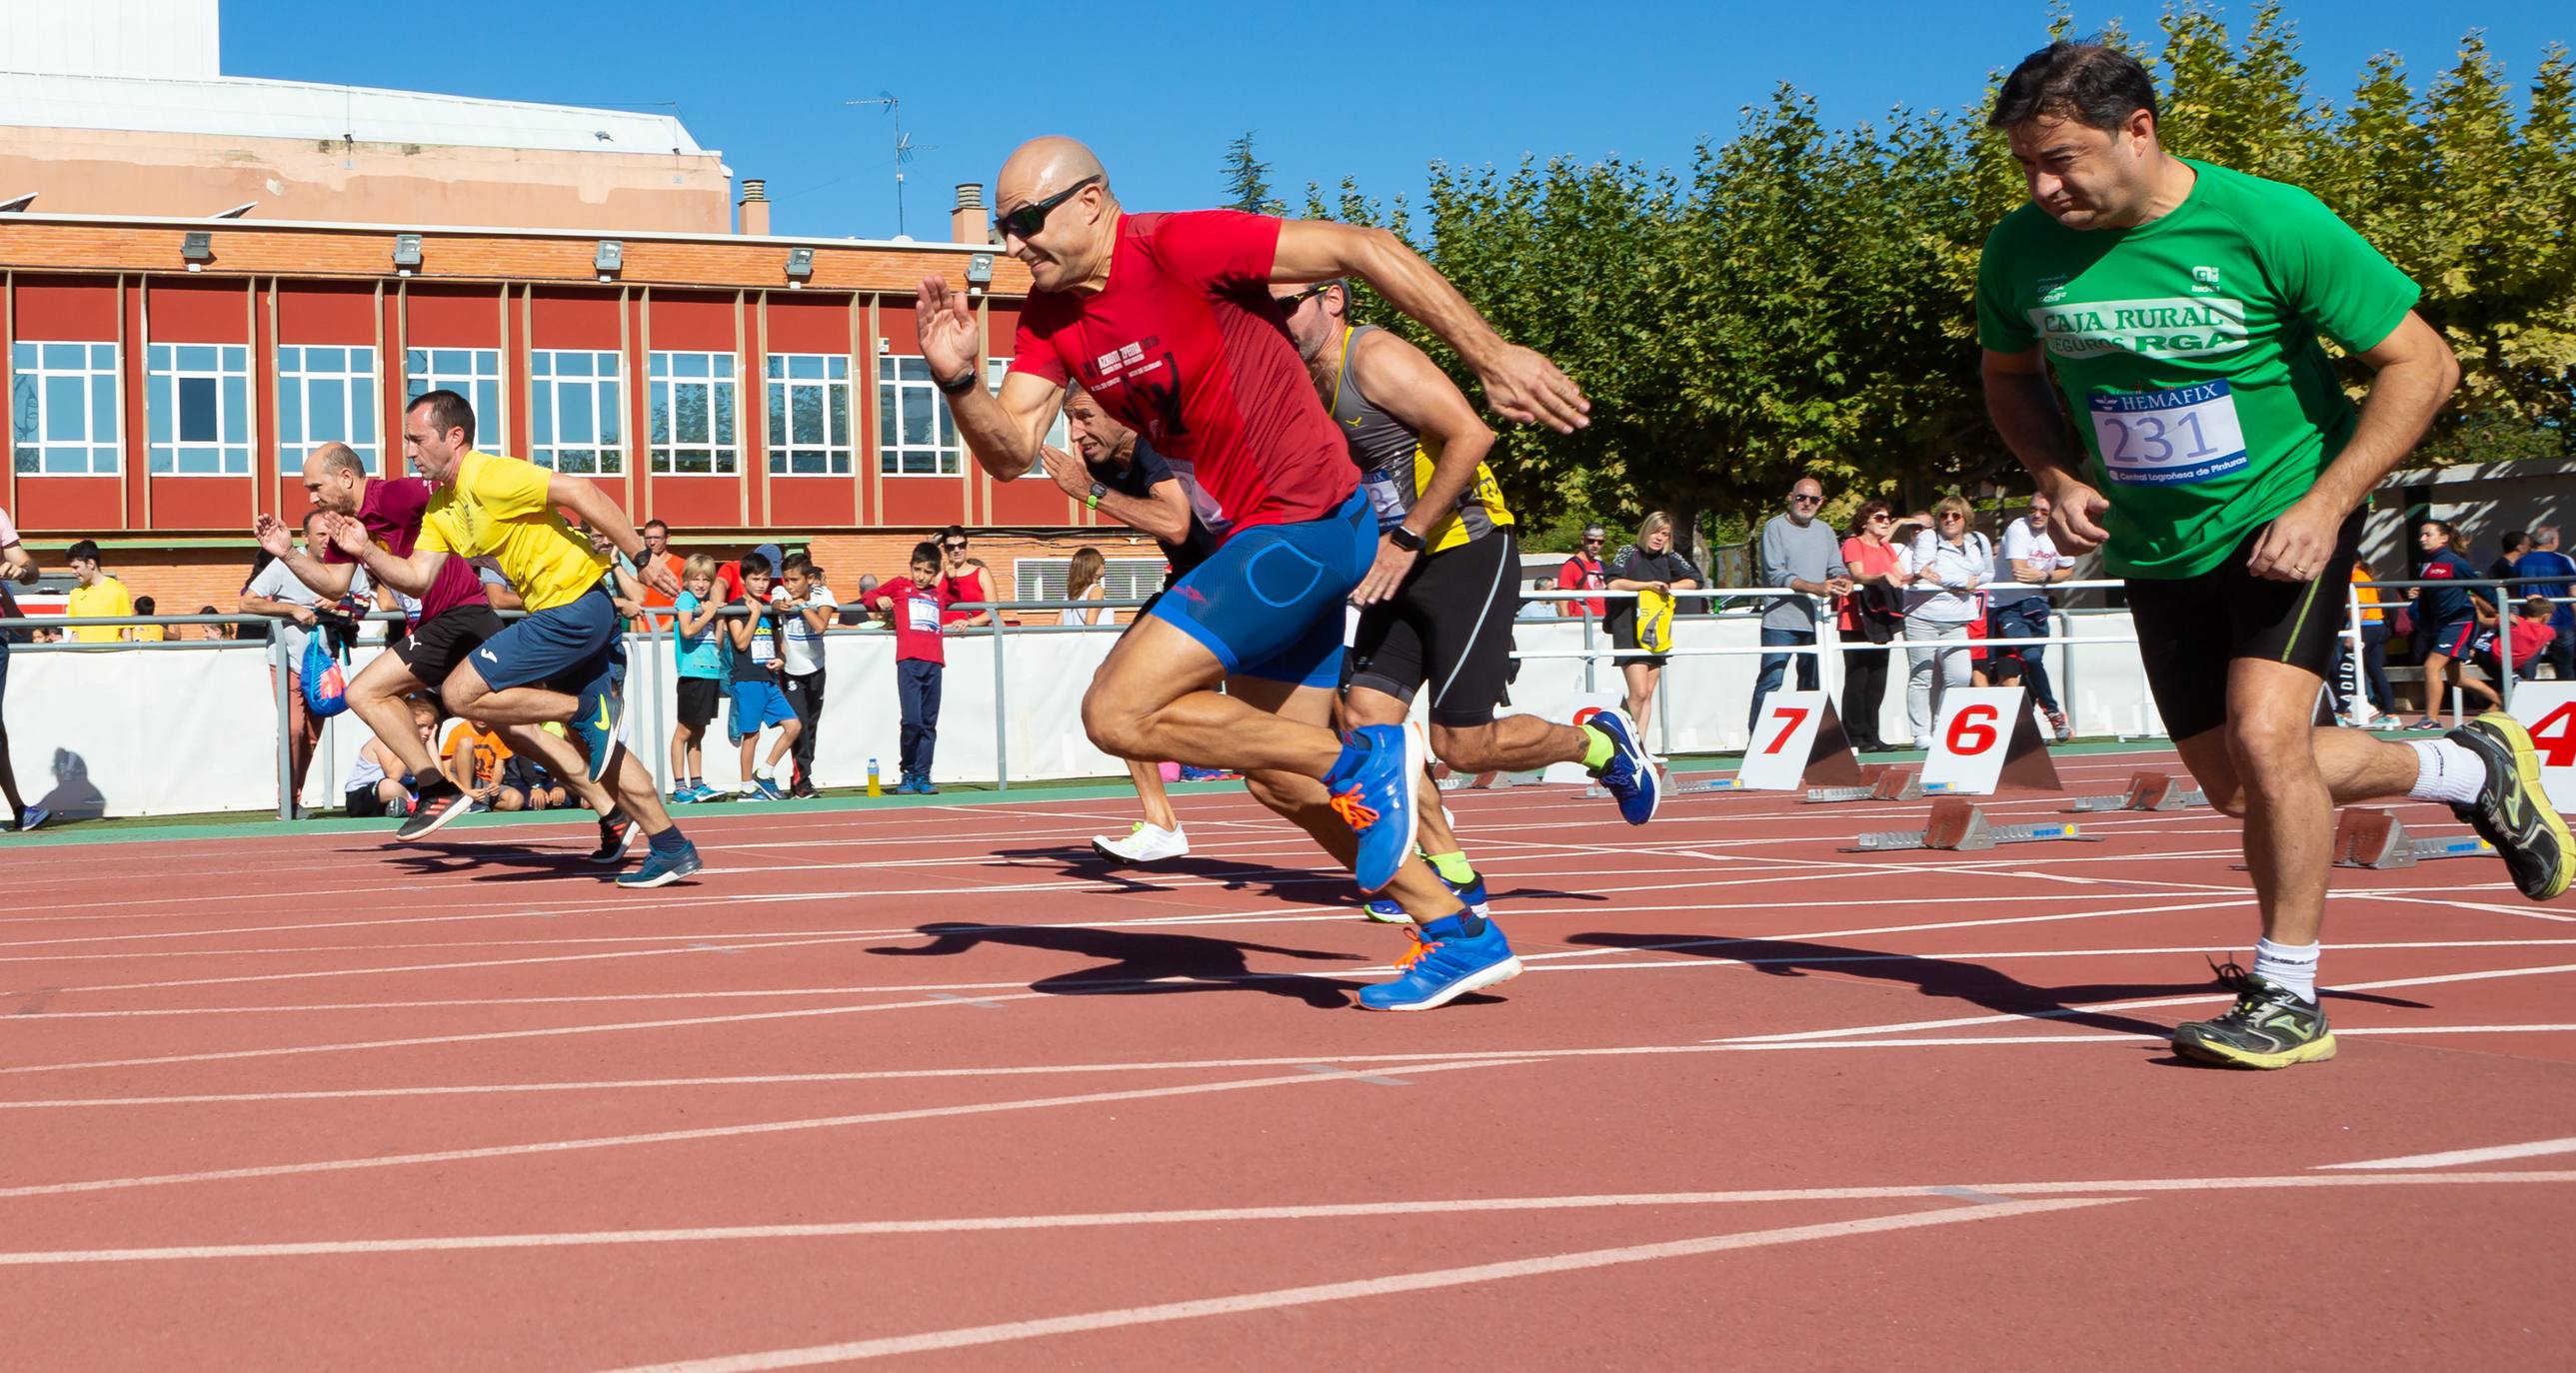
[
  {"x": 1654, "y": 622},
  {"x": 1386, "y": 498},
  {"x": 2166, "y": 438},
  {"x": 922, "y": 614},
  {"x": 762, "y": 650}
]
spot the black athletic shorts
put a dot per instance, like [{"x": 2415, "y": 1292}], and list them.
[
  {"x": 436, "y": 645},
  {"x": 1449, "y": 626},
  {"x": 2190, "y": 630},
  {"x": 698, "y": 698}
]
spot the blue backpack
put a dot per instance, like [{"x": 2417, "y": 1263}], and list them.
[{"x": 326, "y": 691}]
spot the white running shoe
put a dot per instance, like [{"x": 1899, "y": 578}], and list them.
[{"x": 1144, "y": 844}]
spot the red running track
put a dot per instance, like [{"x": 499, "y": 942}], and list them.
[{"x": 323, "y": 1103}]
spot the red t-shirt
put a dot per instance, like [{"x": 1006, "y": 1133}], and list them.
[
  {"x": 1184, "y": 346},
  {"x": 391, "y": 511},
  {"x": 2529, "y": 637},
  {"x": 1864, "y": 557},
  {"x": 967, "y": 587},
  {"x": 1581, "y": 575},
  {"x": 916, "y": 618}
]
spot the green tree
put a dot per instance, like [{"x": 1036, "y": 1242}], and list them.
[{"x": 1247, "y": 179}]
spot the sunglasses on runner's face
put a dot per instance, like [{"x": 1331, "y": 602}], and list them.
[
  {"x": 1025, "y": 222},
  {"x": 1288, "y": 303}
]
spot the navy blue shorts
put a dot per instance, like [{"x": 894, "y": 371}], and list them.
[
  {"x": 1271, "y": 602},
  {"x": 758, "y": 706},
  {"x": 566, "y": 648}
]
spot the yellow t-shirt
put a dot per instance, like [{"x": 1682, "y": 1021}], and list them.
[
  {"x": 104, "y": 597},
  {"x": 497, "y": 508}
]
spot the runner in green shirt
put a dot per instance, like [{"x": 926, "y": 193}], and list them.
[{"x": 2216, "y": 460}]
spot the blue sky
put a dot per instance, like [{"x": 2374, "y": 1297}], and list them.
[{"x": 1375, "y": 91}]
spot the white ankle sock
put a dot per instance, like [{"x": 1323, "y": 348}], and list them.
[
  {"x": 2293, "y": 966},
  {"x": 2446, "y": 772}
]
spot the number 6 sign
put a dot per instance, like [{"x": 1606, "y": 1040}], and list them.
[{"x": 1986, "y": 737}]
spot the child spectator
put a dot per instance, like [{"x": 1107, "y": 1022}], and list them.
[
  {"x": 759, "y": 700},
  {"x": 919, "y": 660},
  {"x": 377, "y": 786},
  {"x": 536, "y": 789},
  {"x": 701, "y": 649},
  {"x": 2527, "y": 636},
  {"x": 149, "y": 634},
  {"x": 809, "y": 612},
  {"x": 471, "y": 757}
]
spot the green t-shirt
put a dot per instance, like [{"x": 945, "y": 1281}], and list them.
[{"x": 2187, "y": 351}]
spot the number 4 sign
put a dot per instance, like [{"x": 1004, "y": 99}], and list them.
[
  {"x": 1797, "y": 741},
  {"x": 1985, "y": 738},
  {"x": 2548, "y": 710}
]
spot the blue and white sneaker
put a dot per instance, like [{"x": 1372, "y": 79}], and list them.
[
  {"x": 1444, "y": 964},
  {"x": 1630, "y": 776},
  {"x": 704, "y": 794},
  {"x": 1385, "y": 911},
  {"x": 601, "y": 706},
  {"x": 766, "y": 790},
  {"x": 684, "y": 796},
  {"x": 1372, "y": 790},
  {"x": 661, "y": 869}
]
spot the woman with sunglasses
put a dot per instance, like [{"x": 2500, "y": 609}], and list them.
[
  {"x": 1870, "y": 617},
  {"x": 1942, "y": 574}
]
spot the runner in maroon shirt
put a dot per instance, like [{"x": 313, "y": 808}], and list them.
[
  {"x": 444, "y": 625},
  {"x": 1167, "y": 320}
]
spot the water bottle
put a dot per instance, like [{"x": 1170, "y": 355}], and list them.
[{"x": 872, "y": 779}]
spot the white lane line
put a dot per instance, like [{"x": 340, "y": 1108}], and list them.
[
  {"x": 1235, "y": 1215},
  {"x": 2108, "y": 1006},
  {"x": 2053, "y": 1038},
  {"x": 9, "y": 1019},
  {"x": 2497, "y": 1154},
  {"x": 768, "y": 1127},
  {"x": 1278, "y": 1298}
]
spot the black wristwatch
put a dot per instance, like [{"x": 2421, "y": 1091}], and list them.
[
  {"x": 1405, "y": 539},
  {"x": 957, "y": 385}
]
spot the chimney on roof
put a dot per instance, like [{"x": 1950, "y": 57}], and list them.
[
  {"x": 755, "y": 207},
  {"x": 966, "y": 223}
]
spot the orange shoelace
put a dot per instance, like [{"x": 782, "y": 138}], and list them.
[
  {"x": 1357, "y": 814},
  {"x": 1421, "y": 950}
]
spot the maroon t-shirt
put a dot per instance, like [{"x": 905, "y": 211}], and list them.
[
  {"x": 1184, "y": 346},
  {"x": 391, "y": 512}
]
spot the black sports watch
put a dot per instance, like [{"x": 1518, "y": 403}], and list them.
[
  {"x": 957, "y": 385},
  {"x": 1405, "y": 539}
]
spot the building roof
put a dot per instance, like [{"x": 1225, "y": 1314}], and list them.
[{"x": 256, "y": 108}]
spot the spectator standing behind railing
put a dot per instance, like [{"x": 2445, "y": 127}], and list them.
[
  {"x": 276, "y": 591},
  {"x": 1943, "y": 572},
  {"x": 1649, "y": 564},
  {"x": 808, "y": 608},
  {"x": 920, "y": 661},
  {"x": 759, "y": 689},
  {"x": 149, "y": 634},
  {"x": 1082, "y": 583},
  {"x": 1799, "y": 552},
  {"x": 657, "y": 549},
  {"x": 2447, "y": 619},
  {"x": 2544, "y": 560},
  {"x": 2525, "y": 635},
  {"x": 1584, "y": 572},
  {"x": 99, "y": 596},
  {"x": 2509, "y": 553},
  {"x": 962, "y": 578},
  {"x": 1871, "y": 614},
  {"x": 698, "y": 644},
  {"x": 2017, "y": 606},
  {"x": 15, "y": 565}
]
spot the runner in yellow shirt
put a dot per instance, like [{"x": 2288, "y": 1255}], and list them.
[{"x": 565, "y": 662}]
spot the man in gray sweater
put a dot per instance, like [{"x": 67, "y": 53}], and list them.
[{"x": 1798, "y": 552}]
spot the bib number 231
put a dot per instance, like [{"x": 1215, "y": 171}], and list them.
[{"x": 2163, "y": 438}]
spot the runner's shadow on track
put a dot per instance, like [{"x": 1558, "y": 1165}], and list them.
[
  {"x": 1305, "y": 886},
  {"x": 1138, "y": 964},
  {"x": 1974, "y": 983},
  {"x": 497, "y": 863}
]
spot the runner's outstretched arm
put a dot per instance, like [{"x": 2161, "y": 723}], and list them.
[
  {"x": 330, "y": 581},
  {"x": 579, "y": 496},
  {"x": 1003, "y": 433},
  {"x": 411, "y": 576},
  {"x": 1519, "y": 383}
]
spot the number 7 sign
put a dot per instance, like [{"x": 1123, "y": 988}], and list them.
[
  {"x": 2548, "y": 710},
  {"x": 1796, "y": 741}
]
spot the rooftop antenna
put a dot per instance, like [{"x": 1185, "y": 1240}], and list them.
[{"x": 903, "y": 148}]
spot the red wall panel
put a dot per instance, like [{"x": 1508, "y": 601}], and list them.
[
  {"x": 1033, "y": 499},
  {"x": 216, "y": 503},
  {"x": 78, "y": 506},
  {"x": 810, "y": 503},
  {"x": 894, "y": 322},
  {"x": 66, "y": 309},
  {"x": 698, "y": 323},
  {"x": 574, "y": 319},
  {"x": 802, "y": 323},
  {"x": 923, "y": 501},
  {"x": 453, "y": 317},
  {"x": 183, "y": 311},
  {"x": 702, "y": 502},
  {"x": 1004, "y": 322},
  {"x": 316, "y": 312}
]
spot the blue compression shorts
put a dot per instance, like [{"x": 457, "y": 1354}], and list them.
[{"x": 1270, "y": 603}]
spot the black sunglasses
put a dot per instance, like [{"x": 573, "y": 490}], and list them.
[
  {"x": 1288, "y": 303},
  {"x": 957, "y": 547},
  {"x": 1025, "y": 222},
  {"x": 1803, "y": 499}
]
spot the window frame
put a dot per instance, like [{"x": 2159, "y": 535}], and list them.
[
  {"x": 722, "y": 449},
  {"x": 778, "y": 391},
  {"x": 606, "y": 447},
  {"x": 31, "y": 458},
  {"x": 1031, "y": 577},
  {"x": 294, "y": 404},
  {"x": 490, "y": 422},
  {"x": 231, "y": 364}
]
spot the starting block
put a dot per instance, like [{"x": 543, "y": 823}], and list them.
[
  {"x": 1957, "y": 825},
  {"x": 1884, "y": 784},
  {"x": 2147, "y": 791},
  {"x": 1714, "y": 786},
  {"x": 2375, "y": 839}
]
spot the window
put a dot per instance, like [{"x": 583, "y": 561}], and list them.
[
  {"x": 693, "y": 399},
  {"x": 576, "y": 413},
  {"x": 916, "y": 436},
  {"x": 325, "y": 395},
  {"x": 809, "y": 414},
  {"x": 474, "y": 373},
  {"x": 63, "y": 408},
  {"x": 1121, "y": 579},
  {"x": 196, "y": 408}
]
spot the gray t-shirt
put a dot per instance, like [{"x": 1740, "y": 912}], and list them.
[
  {"x": 278, "y": 582},
  {"x": 1809, "y": 552}
]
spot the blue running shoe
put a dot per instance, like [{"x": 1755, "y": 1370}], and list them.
[
  {"x": 684, "y": 796},
  {"x": 1444, "y": 964},
  {"x": 601, "y": 707},
  {"x": 703, "y": 794},
  {"x": 1630, "y": 775},
  {"x": 1372, "y": 790},
  {"x": 767, "y": 790},
  {"x": 662, "y": 868},
  {"x": 1385, "y": 911}
]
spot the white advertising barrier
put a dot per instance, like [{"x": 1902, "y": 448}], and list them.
[
  {"x": 1786, "y": 738},
  {"x": 136, "y": 731},
  {"x": 2548, "y": 710},
  {"x": 1984, "y": 737}
]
